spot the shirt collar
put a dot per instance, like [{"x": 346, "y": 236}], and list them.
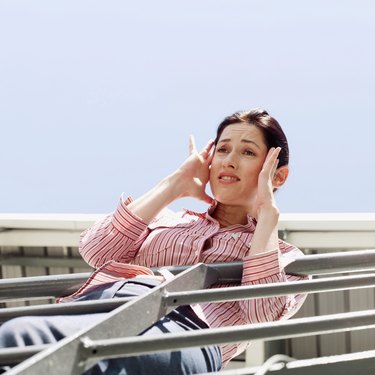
[{"x": 251, "y": 221}]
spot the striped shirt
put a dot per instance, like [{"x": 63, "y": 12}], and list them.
[{"x": 123, "y": 245}]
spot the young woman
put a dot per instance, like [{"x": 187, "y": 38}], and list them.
[{"x": 245, "y": 164}]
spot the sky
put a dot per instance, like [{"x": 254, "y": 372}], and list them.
[{"x": 99, "y": 97}]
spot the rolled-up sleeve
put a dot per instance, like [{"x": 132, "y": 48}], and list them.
[
  {"x": 267, "y": 268},
  {"x": 117, "y": 237},
  {"x": 260, "y": 266}
]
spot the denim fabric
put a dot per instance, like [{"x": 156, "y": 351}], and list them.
[{"x": 41, "y": 330}]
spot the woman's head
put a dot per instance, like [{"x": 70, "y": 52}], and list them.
[
  {"x": 241, "y": 146},
  {"x": 270, "y": 128}
]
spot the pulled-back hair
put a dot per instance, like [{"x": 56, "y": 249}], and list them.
[{"x": 272, "y": 132}]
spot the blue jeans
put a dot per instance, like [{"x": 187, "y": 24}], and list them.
[{"x": 49, "y": 329}]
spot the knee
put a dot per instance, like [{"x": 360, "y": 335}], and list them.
[
  {"x": 21, "y": 331},
  {"x": 12, "y": 331}
]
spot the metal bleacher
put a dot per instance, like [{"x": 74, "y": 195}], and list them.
[{"x": 340, "y": 307}]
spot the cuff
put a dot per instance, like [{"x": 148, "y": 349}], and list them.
[
  {"x": 126, "y": 222},
  {"x": 261, "y": 265}
]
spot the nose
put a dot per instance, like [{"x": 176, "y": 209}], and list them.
[{"x": 230, "y": 161}]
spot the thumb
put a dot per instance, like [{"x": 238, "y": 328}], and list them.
[
  {"x": 192, "y": 147},
  {"x": 207, "y": 199}
]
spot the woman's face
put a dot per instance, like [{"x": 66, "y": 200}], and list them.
[{"x": 237, "y": 161}]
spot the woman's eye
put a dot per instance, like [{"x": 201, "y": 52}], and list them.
[
  {"x": 221, "y": 149},
  {"x": 249, "y": 152}
]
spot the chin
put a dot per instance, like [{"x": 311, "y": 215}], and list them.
[{"x": 228, "y": 201}]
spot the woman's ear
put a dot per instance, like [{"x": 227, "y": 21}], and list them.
[{"x": 280, "y": 176}]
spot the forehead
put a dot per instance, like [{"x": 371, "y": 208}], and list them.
[{"x": 243, "y": 131}]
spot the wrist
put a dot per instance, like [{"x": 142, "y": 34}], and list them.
[
  {"x": 270, "y": 213},
  {"x": 174, "y": 186}
]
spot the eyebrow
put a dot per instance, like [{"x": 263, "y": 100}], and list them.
[{"x": 242, "y": 140}]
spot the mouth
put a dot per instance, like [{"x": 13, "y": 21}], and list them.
[{"x": 228, "y": 178}]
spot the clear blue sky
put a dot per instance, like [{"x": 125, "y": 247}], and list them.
[{"x": 99, "y": 97}]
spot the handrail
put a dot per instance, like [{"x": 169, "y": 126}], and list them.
[
  {"x": 228, "y": 273},
  {"x": 137, "y": 345},
  {"x": 269, "y": 290},
  {"x": 95, "y": 342},
  {"x": 309, "y": 232},
  {"x": 197, "y": 296},
  {"x": 359, "y": 363},
  {"x": 68, "y": 308}
]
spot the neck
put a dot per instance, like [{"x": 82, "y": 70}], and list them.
[{"x": 229, "y": 215}]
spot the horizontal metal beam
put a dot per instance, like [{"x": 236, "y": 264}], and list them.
[
  {"x": 312, "y": 230},
  {"x": 364, "y": 221},
  {"x": 197, "y": 296},
  {"x": 317, "y": 264},
  {"x": 41, "y": 286},
  {"x": 360, "y": 363},
  {"x": 276, "y": 289},
  {"x": 30, "y": 261},
  {"x": 330, "y": 263},
  {"x": 326, "y": 240},
  {"x": 310, "y": 239},
  {"x": 312, "y": 264},
  {"x": 137, "y": 345},
  {"x": 36, "y": 238},
  {"x": 125, "y": 347},
  {"x": 12, "y": 356},
  {"x": 69, "y": 308},
  {"x": 62, "y": 222}
]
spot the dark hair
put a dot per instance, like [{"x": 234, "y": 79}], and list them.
[{"x": 271, "y": 129}]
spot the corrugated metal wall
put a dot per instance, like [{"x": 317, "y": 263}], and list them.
[
  {"x": 334, "y": 343},
  {"x": 16, "y": 262}
]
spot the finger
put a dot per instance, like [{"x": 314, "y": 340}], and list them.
[
  {"x": 271, "y": 158},
  {"x": 270, "y": 164},
  {"x": 206, "y": 198},
  {"x": 274, "y": 168},
  {"x": 192, "y": 147},
  {"x": 277, "y": 151},
  {"x": 273, "y": 153},
  {"x": 210, "y": 157},
  {"x": 206, "y": 150},
  {"x": 276, "y": 161}
]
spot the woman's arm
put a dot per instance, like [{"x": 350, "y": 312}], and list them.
[
  {"x": 266, "y": 268},
  {"x": 263, "y": 265},
  {"x": 189, "y": 180},
  {"x": 119, "y": 236}
]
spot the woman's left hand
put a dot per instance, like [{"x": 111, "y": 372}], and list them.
[
  {"x": 265, "y": 200},
  {"x": 265, "y": 236}
]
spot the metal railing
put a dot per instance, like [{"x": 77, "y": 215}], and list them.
[
  {"x": 105, "y": 341},
  {"x": 316, "y": 264},
  {"x": 47, "y": 244}
]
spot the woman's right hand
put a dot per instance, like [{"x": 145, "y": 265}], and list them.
[
  {"x": 189, "y": 180},
  {"x": 193, "y": 175}
]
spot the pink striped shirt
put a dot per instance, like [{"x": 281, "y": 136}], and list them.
[{"x": 123, "y": 245}]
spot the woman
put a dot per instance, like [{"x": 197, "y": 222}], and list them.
[{"x": 244, "y": 165}]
